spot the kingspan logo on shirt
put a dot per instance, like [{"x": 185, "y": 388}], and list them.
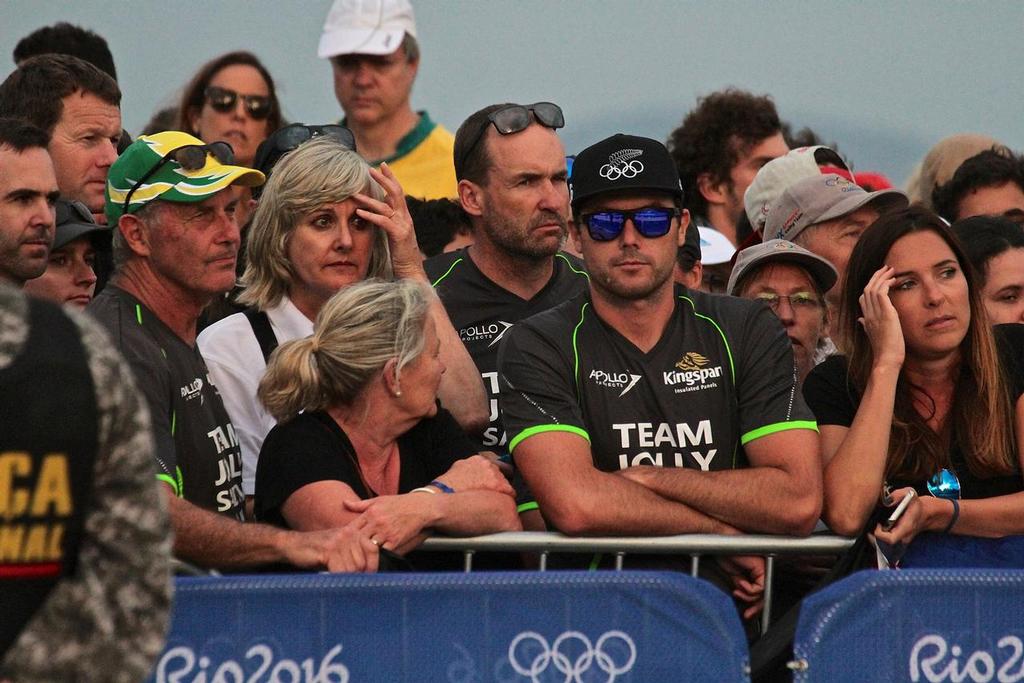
[
  {"x": 485, "y": 331},
  {"x": 614, "y": 380},
  {"x": 693, "y": 373}
]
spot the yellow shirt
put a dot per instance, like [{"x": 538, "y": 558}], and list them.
[{"x": 424, "y": 162}]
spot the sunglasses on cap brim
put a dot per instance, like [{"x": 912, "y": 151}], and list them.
[
  {"x": 650, "y": 222},
  {"x": 516, "y": 118},
  {"x": 189, "y": 157},
  {"x": 223, "y": 100}
]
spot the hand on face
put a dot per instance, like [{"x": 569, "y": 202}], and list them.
[
  {"x": 392, "y": 216},
  {"x": 880, "y": 321}
]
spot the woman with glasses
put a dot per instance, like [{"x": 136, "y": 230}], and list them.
[
  {"x": 995, "y": 247},
  {"x": 325, "y": 220},
  {"x": 232, "y": 98},
  {"x": 361, "y": 437},
  {"x": 927, "y": 397}
]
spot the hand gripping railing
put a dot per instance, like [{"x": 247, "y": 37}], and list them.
[{"x": 695, "y": 545}]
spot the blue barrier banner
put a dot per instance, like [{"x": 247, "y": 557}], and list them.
[
  {"x": 952, "y": 550},
  {"x": 914, "y": 625},
  {"x": 570, "y": 627}
]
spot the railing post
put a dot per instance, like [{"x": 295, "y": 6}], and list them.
[
  {"x": 769, "y": 576},
  {"x": 467, "y": 558},
  {"x": 618, "y": 561},
  {"x": 694, "y": 565}
]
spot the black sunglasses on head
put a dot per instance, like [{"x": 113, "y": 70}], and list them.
[
  {"x": 189, "y": 157},
  {"x": 285, "y": 139},
  {"x": 515, "y": 118},
  {"x": 224, "y": 99}
]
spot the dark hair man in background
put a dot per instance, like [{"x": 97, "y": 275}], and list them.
[
  {"x": 79, "y": 106},
  {"x": 719, "y": 148},
  {"x": 990, "y": 183},
  {"x": 28, "y": 191},
  {"x": 67, "y": 39}
]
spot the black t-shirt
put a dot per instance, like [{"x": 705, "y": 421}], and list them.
[
  {"x": 312, "y": 447},
  {"x": 834, "y": 401},
  {"x": 197, "y": 452},
  {"x": 483, "y": 311},
  {"x": 721, "y": 375}
]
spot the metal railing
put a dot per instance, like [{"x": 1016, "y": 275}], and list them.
[{"x": 694, "y": 545}]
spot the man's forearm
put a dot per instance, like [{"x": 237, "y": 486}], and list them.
[
  {"x": 755, "y": 499},
  {"x": 208, "y": 539},
  {"x": 462, "y": 389}
]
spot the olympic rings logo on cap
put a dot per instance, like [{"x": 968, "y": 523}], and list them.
[
  {"x": 630, "y": 169},
  {"x": 559, "y": 653}
]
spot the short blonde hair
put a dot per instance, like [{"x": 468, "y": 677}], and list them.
[
  {"x": 318, "y": 172},
  {"x": 357, "y": 332}
]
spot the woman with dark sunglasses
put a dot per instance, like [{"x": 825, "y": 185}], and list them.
[
  {"x": 232, "y": 98},
  {"x": 929, "y": 395}
]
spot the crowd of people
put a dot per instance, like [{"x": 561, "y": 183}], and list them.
[{"x": 309, "y": 347}]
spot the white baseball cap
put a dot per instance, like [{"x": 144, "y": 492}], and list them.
[{"x": 368, "y": 27}]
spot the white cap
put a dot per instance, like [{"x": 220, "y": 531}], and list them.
[
  {"x": 778, "y": 174},
  {"x": 367, "y": 27},
  {"x": 714, "y": 247}
]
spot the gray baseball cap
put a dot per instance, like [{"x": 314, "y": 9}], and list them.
[
  {"x": 73, "y": 221},
  {"x": 780, "y": 251},
  {"x": 821, "y": 198},
  {"x": 778, "y": 174}
]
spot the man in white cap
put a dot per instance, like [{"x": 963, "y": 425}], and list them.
[
  {"x": 826, "y": 214},
  {"x": 778, "y": 174},
  {"x": 375, "y": 57}
]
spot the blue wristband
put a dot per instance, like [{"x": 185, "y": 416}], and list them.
[
  {"x": 442, "y": 487},
  {"x": 955, "y": 517}
]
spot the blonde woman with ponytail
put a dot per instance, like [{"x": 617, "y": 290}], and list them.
[{"x": 360, "y": 434}]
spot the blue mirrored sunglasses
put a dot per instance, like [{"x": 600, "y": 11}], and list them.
[
  {"x": 944, "y": 484},
  {"x": 654, "y": 221}
]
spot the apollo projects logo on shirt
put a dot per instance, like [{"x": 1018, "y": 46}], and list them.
[
  {"x": 489, "y": 332},
  {"x": 614, "y": 380}
]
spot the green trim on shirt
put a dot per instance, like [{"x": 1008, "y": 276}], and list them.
[
  {"x": 526, "y": 507},
  {"x": 177, "y": 485},
  {"x": 728, "y": 350},
  {"x": 777, "y": 427},
  {"x": 572, "y": 267},
  {"x": 576, "y": 352},
  {"x": 408, "y": 143},
  {"x": 138, "y": 313},
  {"x": 448, "y": 272},
  {"x": 540, "y": 429}
]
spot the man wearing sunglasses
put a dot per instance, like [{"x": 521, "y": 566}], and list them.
[
  {"x": 644, "y": 408},
  {"x": 173, "y": 202},
  {"x": 512, "y": 184},
  {"x": 375, "y": 58}
]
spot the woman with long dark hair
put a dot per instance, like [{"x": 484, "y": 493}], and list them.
[{"x": 928, "y": 395}]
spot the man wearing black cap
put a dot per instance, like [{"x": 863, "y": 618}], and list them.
[
  {"x": 642, "y": 408},
  {"x": 69, "y": 277}
]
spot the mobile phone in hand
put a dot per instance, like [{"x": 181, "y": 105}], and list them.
[{"x": 889, "y": 523}]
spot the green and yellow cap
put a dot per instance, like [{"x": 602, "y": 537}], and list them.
[{"x": 171, "y": 182}]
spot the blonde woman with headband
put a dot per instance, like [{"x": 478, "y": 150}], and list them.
[
  {"x": 360, "y": 434},
  {"x": 325, "y": 220}
]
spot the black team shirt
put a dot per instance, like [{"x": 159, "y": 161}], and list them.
[
  {"x": 483, "y": 312},
  {"x": 721, "y": 376}
]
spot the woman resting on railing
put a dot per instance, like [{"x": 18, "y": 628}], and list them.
[
  {"x": 360, "y": 432},
  {"x": 929, "y": 395}
]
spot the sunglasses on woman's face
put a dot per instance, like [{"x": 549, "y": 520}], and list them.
[{"x": 223, "y": 100}]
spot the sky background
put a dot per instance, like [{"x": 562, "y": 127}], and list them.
[{"x": 882, "y": 80}]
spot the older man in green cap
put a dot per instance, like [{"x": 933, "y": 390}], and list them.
[{"x": 172, "y": 200}]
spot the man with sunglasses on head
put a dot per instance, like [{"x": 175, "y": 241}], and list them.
[
  {"x": 175, "y": 246},
  {"x": 643, "y": 408},
  {"x": 375, "y": 57},
  {"x": 512, "y": 184}
]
